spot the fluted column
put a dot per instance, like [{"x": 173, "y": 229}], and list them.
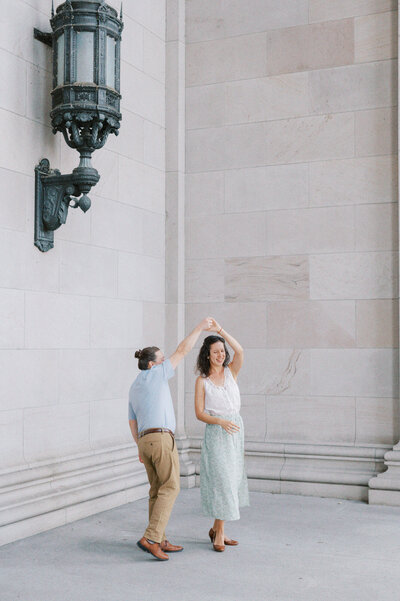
[
  {"x": 384, "y": 489},
  {"x": 175, "y": 217}
]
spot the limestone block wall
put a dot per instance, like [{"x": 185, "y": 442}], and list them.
[
  {"x": 70, "y": 318},
  {"x": 292, "y": 229}
]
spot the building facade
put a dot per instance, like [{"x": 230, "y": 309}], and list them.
[{"x": 255, "y": 180}]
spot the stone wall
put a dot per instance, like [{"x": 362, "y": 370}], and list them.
[
  {"x": 276, "y": 213},
  {"x": 291, "y": 227},
  {"x": 70, "y": 318}
]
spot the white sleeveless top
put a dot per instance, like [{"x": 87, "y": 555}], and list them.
[{"x": 222, "y": 400}]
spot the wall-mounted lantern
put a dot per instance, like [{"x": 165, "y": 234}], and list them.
[{"x": 86, "y": 37}]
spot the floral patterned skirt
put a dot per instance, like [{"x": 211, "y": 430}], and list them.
[{"x": 223, "y": 480}]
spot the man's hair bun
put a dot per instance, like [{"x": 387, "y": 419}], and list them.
[{"x": 145, "y": 355}]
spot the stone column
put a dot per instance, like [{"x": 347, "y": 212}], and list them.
[
  {"x": 384, "y": 489},
  {"x": 175, "y": 217}
]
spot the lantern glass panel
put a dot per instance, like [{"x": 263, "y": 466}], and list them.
[
  {"x": 110, "y": 64},
  {"x": 84, "y": 56},
  {"x": 60, "y": 60}
]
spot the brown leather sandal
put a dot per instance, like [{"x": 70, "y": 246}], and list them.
[
  {"x": 219, "y": 548},
  {"x": 229, "y": 542}
]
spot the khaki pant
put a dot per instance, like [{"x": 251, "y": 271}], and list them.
[{"x": 160, "y": 457}]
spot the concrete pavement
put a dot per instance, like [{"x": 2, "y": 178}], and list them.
[{"x": 292, "y": 548}]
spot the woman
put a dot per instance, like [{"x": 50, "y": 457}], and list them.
[{"x": 223, "y": 482}]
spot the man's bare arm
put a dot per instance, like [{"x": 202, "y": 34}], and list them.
[
  {"x": 188, "y": 343},
  {"x": 134, "y": 430}
]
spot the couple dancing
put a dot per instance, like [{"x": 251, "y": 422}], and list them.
[{"x": 223, "y": 483}]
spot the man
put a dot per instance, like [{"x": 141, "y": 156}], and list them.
[{"x": 152, "y": 423}]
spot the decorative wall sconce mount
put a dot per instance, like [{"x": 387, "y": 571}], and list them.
[{"x": 85, "y": 38}]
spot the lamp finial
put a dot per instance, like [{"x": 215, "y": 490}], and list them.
[
  {"x": 120, "y": 14},
  {"x": 52, "y": 8}
]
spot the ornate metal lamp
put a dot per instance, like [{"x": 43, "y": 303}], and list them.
[{"x": 86, "y": 37}]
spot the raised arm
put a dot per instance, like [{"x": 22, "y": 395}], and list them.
[
  {"x": 237, "y": 360},
  {"x": 188, "y": 343}
]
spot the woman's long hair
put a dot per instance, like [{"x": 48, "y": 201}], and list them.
[{"x": 203, "y": 360}]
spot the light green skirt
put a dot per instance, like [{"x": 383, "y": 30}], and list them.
[{"x": 223, "y": 481}]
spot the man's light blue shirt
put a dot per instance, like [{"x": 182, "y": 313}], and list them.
[{"x": 150, "y": 401}]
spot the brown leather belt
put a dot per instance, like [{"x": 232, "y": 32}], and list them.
[{"x": 152, "y": 430}]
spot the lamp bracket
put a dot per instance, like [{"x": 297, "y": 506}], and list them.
[
  {"x": 43, "y": 36},
  {"x": 54, "y": 194}
]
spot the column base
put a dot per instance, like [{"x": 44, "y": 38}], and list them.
[
  {"x": 384, "y": 489},
  {"x": 187, "y": 467},
  {"x": 340, "y": 471}
]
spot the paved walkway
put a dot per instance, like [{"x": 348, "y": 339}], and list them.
[{"x": 291, "y": 548}]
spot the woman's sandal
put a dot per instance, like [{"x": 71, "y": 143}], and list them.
[
  {"x": 219, "y": 548},
  {"x": 229, "y": 542}
]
